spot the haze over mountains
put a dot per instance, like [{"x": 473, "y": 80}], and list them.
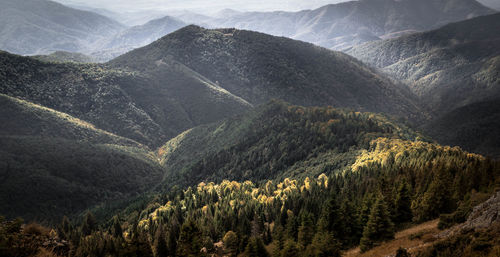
[
  {"x": 32, "y": 27},
  {"x": 170, "y": 139},
  {"x": 335, "y": 26},
  {"x": 340, "y": 26}
]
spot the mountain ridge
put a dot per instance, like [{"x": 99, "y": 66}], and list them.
[{"x": 258, "y": 67}]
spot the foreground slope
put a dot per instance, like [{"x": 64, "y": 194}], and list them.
[
  {"x": 339, "y": 26},
  {"x": 258, "y": 67},
  {"x": 306, "y": 181},
  {"x": 53, "y": 164},
  {"x": 30, "y": 27},
  {"x": 144, "y": 108}
]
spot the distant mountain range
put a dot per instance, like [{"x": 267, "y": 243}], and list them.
[
  {"x": 340, "y": 26},
  {"x": 137, "y": 36},
  {"x": 44, "y": 26},
  {"x": 32, "y": 27},
  {"x": 448, "y": 67}
]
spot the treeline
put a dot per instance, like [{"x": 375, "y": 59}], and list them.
[{"x": 393, "y": 184}]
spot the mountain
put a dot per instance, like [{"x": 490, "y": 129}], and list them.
[
  {"x": 62, "y": 56},
  {"x": 134, "y": 105},
  {"x": 449, "y": 67},
  {"x": 318, "y": 176},
  {"x": 140, "y": 35},
  {"x": 258, "y": 67},
  {"x": 475, "y": 127},
  {"x": 53, "y": 164},
  {"x": 340, "y": 26},
  {"x": 31, "y": 27},
  {"x": 276, "y": 140}
]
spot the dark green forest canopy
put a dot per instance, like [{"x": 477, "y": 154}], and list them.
[{"x": 276, "y": 140}]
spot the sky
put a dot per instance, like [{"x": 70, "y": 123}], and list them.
[{"x": 122, "y": 6}]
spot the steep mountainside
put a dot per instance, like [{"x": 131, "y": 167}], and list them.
[
  {"x": 275, "y": 141},
  {"x": 138, "y": 36},
  {"x": 340, "y": 26},
  {"x": 258, "y": 67},
  {"x": 40, "y": 27},
  {"x": 450, "y": 67},
  {"x": 138, "y": 106},
  {"x": 53, "y": 164},
  {"x": 474, "y": 127}
]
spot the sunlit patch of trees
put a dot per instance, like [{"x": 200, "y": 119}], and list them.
[{"x": 311, "y": 216}]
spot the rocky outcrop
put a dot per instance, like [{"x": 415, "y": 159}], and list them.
[{"x": 485, "y": 214}]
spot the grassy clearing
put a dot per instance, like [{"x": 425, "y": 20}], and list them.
[{"x": 413, "y": 239}]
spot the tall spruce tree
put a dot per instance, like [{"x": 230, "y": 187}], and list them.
[
  {"x": 160, "y": 244},
  {"x": 379, "y": 226},
  {"x": 190, "y": 241},
  {"x": 89, "y": 224},
  {"x": 403, "y": 204},
  {"x": 116, "y": 228},
  {"x": 306, "y": 230}
]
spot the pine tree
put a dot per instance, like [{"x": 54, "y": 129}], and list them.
[
  {"x": 403, "y": 204},
  {"x": 323, "y": 245},
  {"x": 331, "y": 220},
  {"x": 290, "y": 249},
  {"x": 160, "y": 245},
  {"x": 292, "y": 226},
  {"x": 190, "y": 241},
  {"x": 306, "y": 230},
  {"x": 437, "y": 199},
  {"x": 89, "y": 224},
  {"x": 116, "y": 229},
  {"x": 255, "y": 248},
  {"x": 230, "y": 240},
  {"x": 64, "y": 229},
  {"x": 379, "y": 226}
]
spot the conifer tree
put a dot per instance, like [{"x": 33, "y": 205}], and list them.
[
  {"x": 255, "y": 248},
  {"x": 379, "y": 226},
  {"x": 160, "y": 245},
  {"x": 403, "y": 204},
  {"x": 190, "y": 241},
  {"x": 290, "y": 249},
  {"x": 306, "y": 230},
  {"x": 230, "y": 241},
  {"x": 292, "y": 226},
  {"x": 116, "y": 229},
  {"x": 323, "y": 245},
  {"x": 89, "y": 224}
]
